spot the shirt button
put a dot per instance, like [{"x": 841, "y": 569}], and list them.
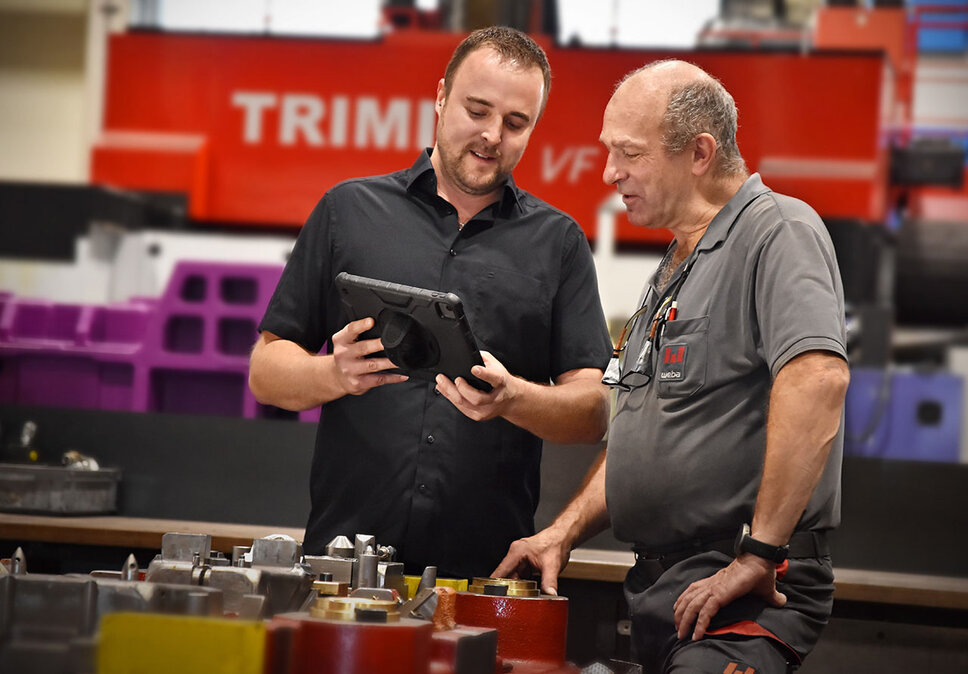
[
  {"x": 453, "y": 253},
  {"x": 423, "y": 489},
  {"x": 430, "y": 439}
]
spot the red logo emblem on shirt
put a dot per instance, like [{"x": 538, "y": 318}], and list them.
[
  {"x": 673, "y": 366},
  {"x": 738, "y": 668},
  {"x": 675, "y": 354}
]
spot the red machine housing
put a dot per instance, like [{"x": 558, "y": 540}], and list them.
[
  {"x": 322, "y": 646},
  {"x": 254, "y": 130},
  {"x": 531, "y": 631}
]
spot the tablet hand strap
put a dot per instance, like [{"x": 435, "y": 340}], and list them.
[{"x": 409, "y": 345}]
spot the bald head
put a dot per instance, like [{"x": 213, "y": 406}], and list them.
[
  {"x": 693, "y": 102},
  {"x": 664, "y": 76}
]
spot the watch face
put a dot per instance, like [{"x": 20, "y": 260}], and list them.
[{"x": 744, "y": 531}]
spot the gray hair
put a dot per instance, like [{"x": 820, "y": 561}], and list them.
[{"x": 701, "y": 106}]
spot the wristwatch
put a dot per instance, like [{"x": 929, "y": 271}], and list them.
[{"x": 746, "y": 543}]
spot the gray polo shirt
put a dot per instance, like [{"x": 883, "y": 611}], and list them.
[{"x": 685, "y": 452}]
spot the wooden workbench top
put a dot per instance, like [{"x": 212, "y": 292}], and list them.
[
  {"x": 130, "y": 532},
  {"x": 880, "y": 587}
]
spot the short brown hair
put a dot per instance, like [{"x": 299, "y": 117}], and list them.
[{"x": 512, "y": 45}]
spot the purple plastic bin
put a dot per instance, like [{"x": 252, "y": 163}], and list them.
[
  {"x": 57, "y": 381},
  {"x": 29, "y": 320},
  {"x": 184, "y": 352},
  {"x": 196, "y": 392},
  {"x": 41, "y": 321},
  {"x": 48, "y": 359},
  {"x": 196, "y": 351},
  {"x": 120, "y": 325}
]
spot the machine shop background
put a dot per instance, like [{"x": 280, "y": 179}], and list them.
[{"x": 157, "y": 159}]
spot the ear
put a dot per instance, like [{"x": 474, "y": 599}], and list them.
[
  {"x": 440, "y": 95},
  {"x": 703, "y": 154}
]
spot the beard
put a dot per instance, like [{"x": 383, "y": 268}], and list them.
[{"x": 453, "y": 163}]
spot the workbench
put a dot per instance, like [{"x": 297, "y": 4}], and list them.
[
  {"x": 609, "y": 566},
  {"x": 880, "y": 619}
]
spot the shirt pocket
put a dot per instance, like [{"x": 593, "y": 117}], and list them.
[
  {"x": 680, "y": 368},
  {"x": 510, "y": 315}
]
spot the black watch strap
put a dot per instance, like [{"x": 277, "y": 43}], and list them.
[{"x": 746, "y": 543}]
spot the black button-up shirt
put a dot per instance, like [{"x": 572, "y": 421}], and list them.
[{"x": 399, "y": 461}]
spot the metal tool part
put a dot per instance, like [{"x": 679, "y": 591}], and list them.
[
  {"x": 18, "y": 563},
  {"x": 343, "y": 560},
  {"x": 390, "y": 575},
  {"x": 379, "y": 593},
  {"x": 276, "y": 572},
  {"x": 252, "y": 607},
  {"x": 368, "y": 569},
  {"x": 27, "y": 433},
  {"x": 341, "y": 570},
  {"x": 428, "y": 578},
  {"x": 276, "y": 552},
  {"x": 47, "y": 623},
  {"x": 114, "y": 595},
  {"x": 74, "y": 460},
  {"x": 364, "y": 543},
  {"x": 329, "y": 588},
  {"x": 241, "y": 555},
  {"x": 472, "y": 650},
  {"x": 340, "y": 547},
  {"x": 130, "y": 569},
  {"x": 421, "y": 606},
  {"x": 351, "y": 609},
  {"x": 184, "y": 547},
  {"x": 504, "y": 587}
]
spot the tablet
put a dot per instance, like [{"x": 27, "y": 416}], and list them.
[{"x": 424, "y": 332}]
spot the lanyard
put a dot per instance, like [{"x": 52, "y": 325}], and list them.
[
  {"x": 617, "y": 373},
  {"x": 666, "y": 311}
]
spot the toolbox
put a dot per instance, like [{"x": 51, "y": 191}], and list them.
[{"x": 57, "y": 490}]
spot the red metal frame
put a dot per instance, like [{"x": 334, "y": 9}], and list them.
[{"x": 813, "y": 125}]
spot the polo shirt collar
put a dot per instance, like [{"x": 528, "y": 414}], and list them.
[
  {"x": 718, "y": 229},
  {"x": 423, "y": 180}
]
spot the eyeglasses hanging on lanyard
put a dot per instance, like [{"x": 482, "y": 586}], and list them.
[{"x": 626, "y": 376}]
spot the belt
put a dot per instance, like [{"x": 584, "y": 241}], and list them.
[{"x": 803, "y": 544}]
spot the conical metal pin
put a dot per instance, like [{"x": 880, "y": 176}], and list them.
[
  {"x": 18, "y": 563},
  {"x": 130, "y": 569}
]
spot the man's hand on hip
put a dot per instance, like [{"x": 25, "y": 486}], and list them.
[{"x": 702, "y": 600}]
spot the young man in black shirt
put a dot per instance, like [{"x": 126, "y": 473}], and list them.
[{"x": 446, "y": 473}]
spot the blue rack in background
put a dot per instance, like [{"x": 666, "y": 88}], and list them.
[{"x": 942, "y": 25}]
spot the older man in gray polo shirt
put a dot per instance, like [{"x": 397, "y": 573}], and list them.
[{"x": 723, "y": 458}]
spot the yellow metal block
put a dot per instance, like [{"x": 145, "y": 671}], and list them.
[
  {"x": 146, "y": 643},
  {"x": 459, "y": 584}
]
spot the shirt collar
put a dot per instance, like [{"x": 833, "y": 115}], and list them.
[
  {"x": 423, "y": 180},
  {"x": 718, "y": 229}
]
